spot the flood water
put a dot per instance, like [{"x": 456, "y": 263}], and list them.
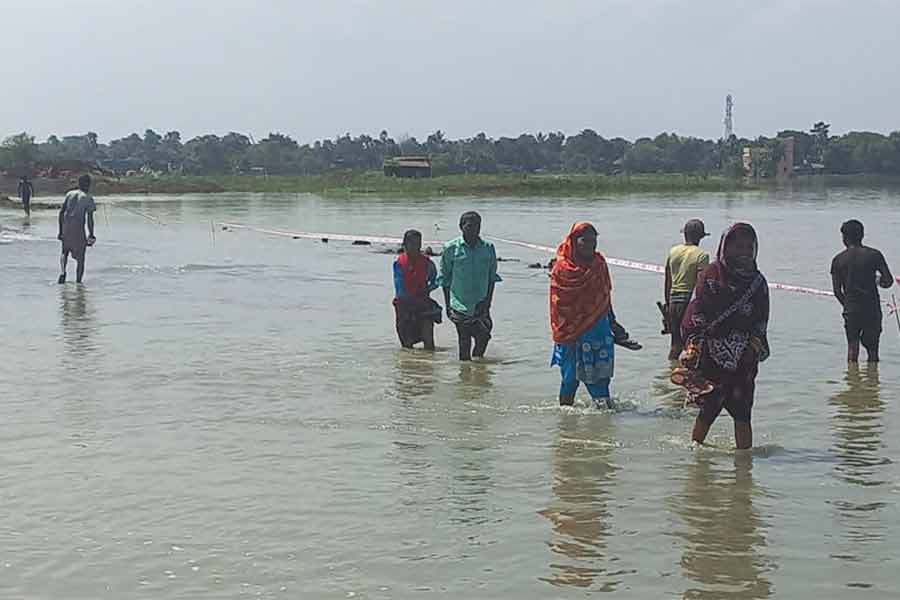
[{"x": 234, "y": 418}]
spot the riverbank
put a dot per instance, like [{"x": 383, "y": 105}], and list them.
[
  {"x": 486, "y": 185},
  {"x": 373, "y": 182},
  {"x": 347, "y": 182}
]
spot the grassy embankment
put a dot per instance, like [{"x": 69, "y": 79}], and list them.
[{"x": 376, "y": 183}]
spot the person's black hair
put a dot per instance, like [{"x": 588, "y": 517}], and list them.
[
  {"x": 410, "y": 234},
  {"x": 84, "y": 181},
  {"x": 853, "y": 231},
  {"x": 469, "y": 215},
  {"x": 581, "y": 233}
]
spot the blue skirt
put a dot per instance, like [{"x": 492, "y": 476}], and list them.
[{"x": 590, "y": 360}]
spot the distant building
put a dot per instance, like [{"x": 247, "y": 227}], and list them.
[
  {"x": 785, "y": 167},
  {"x": 752, "y": 158},
  {"x": 756, "y": 160},
  {"x": 408, "y": 166}
]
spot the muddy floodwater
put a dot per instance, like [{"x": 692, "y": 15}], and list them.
[{"x": 233, "y": 417}]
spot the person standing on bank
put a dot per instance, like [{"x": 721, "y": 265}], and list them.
[
  {"x": 26, "y": 191},
  {"x": 468, "y": 276},
  {"x": 683, "y": 264},
  {"x": 77, "y": 211},
  {"x": 854, "y": 274}
]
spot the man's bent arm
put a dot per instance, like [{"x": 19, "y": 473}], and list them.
[
  {"x": 887, "y": 280},
  {"x": 838, "y": 287}
]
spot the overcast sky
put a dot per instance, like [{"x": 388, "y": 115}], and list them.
[{"x": 315, "y": 69}]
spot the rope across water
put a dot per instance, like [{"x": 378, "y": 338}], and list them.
[{"x": 617, "y": 262}]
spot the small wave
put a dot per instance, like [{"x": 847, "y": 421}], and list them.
[
  {"x": 585, "y": 442},
  {"x": 232, "y": 267},
  {"x": 186, "y": 268},
  {"x": 12, "y": 235}
]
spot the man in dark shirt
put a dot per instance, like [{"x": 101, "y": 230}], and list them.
[
  {"x": 854, "y": 274},
  {"x": 26, "y": 191}
]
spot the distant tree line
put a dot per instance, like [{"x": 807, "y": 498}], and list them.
[{"x": 586, "y": 152}]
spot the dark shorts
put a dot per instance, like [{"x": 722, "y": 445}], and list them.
[
  {"x": 411, "y": 320},
  {"x": 862, "y": 327},
  {"x": 77, "y": 249},
  {"x": 478, "y": 327},
  {"x": 737, "y": 399},
  {"x": 676, "y": 312}
]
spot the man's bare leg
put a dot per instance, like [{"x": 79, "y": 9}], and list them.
[
  {"x": 852, "y": 352},
  {"x": 481, "y": 345},
  {"x": 675, "y": 350},
  {"x": 63, "y": 263},
  {"x": 79, "y": 271},
  {"x": 871, "y": 347},
  {"x": 743, "y": 435},
  {"x": 465, "y": 346}
]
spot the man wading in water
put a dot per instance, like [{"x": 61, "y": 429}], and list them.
[
  {"x": 854, "y": 273},
  {"x": 468, "y": 275},
  {"x": 683, "y": 264},
  {"x": 26, "y": 191},
  {"x": 77, "y": 209}
]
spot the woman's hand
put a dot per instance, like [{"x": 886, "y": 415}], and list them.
[
  {"x": 757, "y": 346},
  {"x": 690, "y": 356},
  {"x": 761, "y": 352}
]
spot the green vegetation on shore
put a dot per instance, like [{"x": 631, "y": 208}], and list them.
[
  {"x": 585, "y": 153},
  {"x": 373, "y": 182}
]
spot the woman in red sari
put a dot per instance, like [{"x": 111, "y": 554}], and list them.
[
  {"x": 581, "y": 317},
  {"x": 415, "y": 277},
  {"x": 725, "y": 330}
]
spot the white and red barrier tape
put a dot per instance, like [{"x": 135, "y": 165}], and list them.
[
  {"x": 306, "y": 235},
  {"x": 652, "y": 268},
  {"x": 617, "y": 262}
]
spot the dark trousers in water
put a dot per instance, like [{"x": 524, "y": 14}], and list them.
[{"x": 475, "y": 327}]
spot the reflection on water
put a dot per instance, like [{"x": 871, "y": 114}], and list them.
[
  {"x": 725, "y": 534},
  {"x": 414, "y": 374},
  {"x": 79, "y": 323},
  {"x": 583, "y": 474},
  {"x": 470, "y": 440},
  {"x": 475, "y": 379},
  {"x": 858, "y": 426}
]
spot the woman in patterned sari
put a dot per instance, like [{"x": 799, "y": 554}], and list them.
[{"x": 725, "y": 330}]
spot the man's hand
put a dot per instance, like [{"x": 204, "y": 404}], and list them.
[
  {"x": 91, "y": 240},
  {"x": 59, "y": 236},
  {"x": 886, "y": 281}
]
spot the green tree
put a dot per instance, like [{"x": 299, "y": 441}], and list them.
[
  {"x": 19, "y": 149},
  {"x": 819, "y": 132}
]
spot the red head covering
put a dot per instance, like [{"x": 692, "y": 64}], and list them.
[{"x": 580, "y": 293}]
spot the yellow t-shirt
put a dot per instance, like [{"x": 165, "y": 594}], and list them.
[{"x": 684, "y": 263}]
